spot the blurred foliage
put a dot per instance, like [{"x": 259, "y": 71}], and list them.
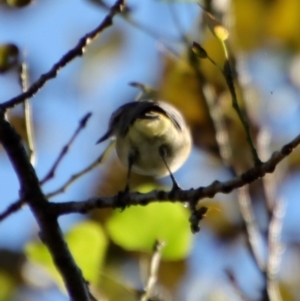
[
  {"x": 105, "y": 49},
  {"x": 181, "y": 87},
  {"x": 294, "y": 160},
  {"x": 259, "y": 22},
  {"x": 137, "y": 228},
  {"x": 286, "y": 292},
  {"x": 7, "y": 285},
  {"x": 9, "y": 56},
  {"x": 18, "y": 122},
  {"x": 10, "y": 272},
  {"x": 18, "y": 3},
  {"x": 87, "y": 243},
  {"x": 218, "y": 220},
  {"x": 282, "y": 22}
]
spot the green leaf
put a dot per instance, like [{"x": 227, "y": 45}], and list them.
[
  {"x": 87, "y": 243},
  {"x": 137, "y": 229}
]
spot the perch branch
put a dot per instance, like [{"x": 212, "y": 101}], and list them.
[{"x": 209, "y": 191}]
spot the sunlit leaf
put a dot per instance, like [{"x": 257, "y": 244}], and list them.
[
  {"x": 87, "y": 243},
  {"x": 215, "y": 26},
  {"x": 137, "y": 228}
]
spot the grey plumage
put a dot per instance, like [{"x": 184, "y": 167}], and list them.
[
  {"x": 125, "y": 115},
  {"x": 152, "y": 137}
]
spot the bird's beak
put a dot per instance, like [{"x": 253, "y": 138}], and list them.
[{"x": 103, "y": 138}]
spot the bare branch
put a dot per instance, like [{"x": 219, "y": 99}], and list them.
[
  {"x": 228, "y": 75},
  {"x": 78, "y": 50},
  {"x": 12, "y": 208},
  {"x": 81, "y": 173},
  {"x": 64, "y": 151},
  {"x": 210, "y": 191},
  {"x": 229, "y": 78},
  {"x": 50, "y": 232}
]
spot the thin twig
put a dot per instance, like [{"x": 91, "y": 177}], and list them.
[
  {"x": 227, "y": 73},
  {"x": 12, "y": 208},
  {"x": 276, "y": 213},
  {"x": 222, "y": 34},
  {"x": 253, "y": 234},
  {"x": 81, "y": 173},
  {"x": 142, "y": 27},
  {"x": 270, "y": 181},
  {"x": 231, "y": 277},
  {"x": 275, "y": 250},
  {"x": 222, "y": 137},
  {"x": 78, "y": 50},
  {"x": 24, "y": 81},
  {"x": 153, "y": 273},
  {"x": 64, "y": 151},
  {"x": 184, "y": 196}
]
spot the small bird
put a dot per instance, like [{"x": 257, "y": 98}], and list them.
[{"x": 152, "y": 138}]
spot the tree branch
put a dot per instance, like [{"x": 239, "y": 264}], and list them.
[
  {"x": 65, "y": 149},
  {"x": 78, "y": 50},
  {"x": 209, "y": 191},
  {"x": 50, "y": 233},
  {"x": 12, "y": 208},
  {"x": 82, "y": 172}
]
